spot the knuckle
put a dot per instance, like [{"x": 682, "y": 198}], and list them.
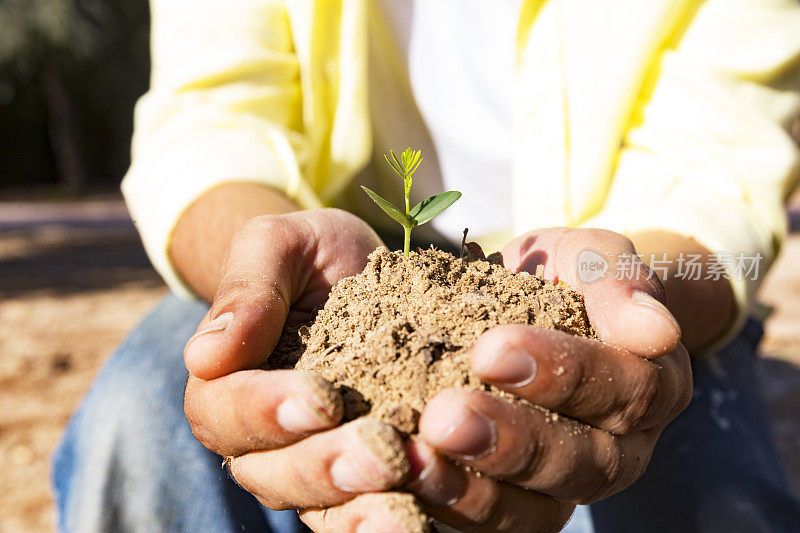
[
  {"x": 264, "y": 229},
  {"x": 228, "y": 291},
  {"x": 607, "y": 471},
  {"x": 568, "y": 393},
  {"x": 640, "y": 403},
  {"x": 336, "y": 213},
  {"x": 488, "y": 509},
  {"x": 611, "y": 239},
  {"x": 527, "y": 465},
  {"x": 611, "y": 465},
  {"x": 254, "y": 230},
  {"x": 259, "y": 225}
]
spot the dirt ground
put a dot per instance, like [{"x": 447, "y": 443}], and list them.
[{"x": 74, "y": 280}]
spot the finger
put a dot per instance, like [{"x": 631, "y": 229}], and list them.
[
  {"x": 260, "y": 410},
  {"x": 625, "y": 305},
  {"x": 325, "y": 469},
  {"x": 600, "y": 384},
  {"x": 468, "y": 501},
  {"x": 252, "y": 300},
  {"x": 390, "y": 512},
  {"x": 274, "y": 263},
  {"x": 533, "y": 448}
]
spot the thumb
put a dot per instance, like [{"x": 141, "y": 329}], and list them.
[
  {"x": 626, "y": 304},
  {"x": 632, "y": 313},
  {"x": 274, "y": 263},
  {"x": 251, "y": 303}
]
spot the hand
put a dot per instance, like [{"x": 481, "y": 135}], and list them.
[
  {"x": 611, "y": 399},
  {"x": 275, "y": 426}
]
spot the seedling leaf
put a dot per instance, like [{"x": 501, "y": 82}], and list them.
[
  {"x": 405, "y": 166},
  {"x": 395, "y": 164},
  {"x": 389, "y": 208},
  {"x": 430, "y": 207}
]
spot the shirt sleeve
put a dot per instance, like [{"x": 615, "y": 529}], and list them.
[
  {"x": 224, "y": 106},
  {"x": 709, "y": 154}
]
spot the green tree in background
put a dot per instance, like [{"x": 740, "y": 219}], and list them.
[{"x": 70, "y": 71}]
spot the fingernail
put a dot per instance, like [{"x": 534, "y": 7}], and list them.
[
  {"x": 358, "y": 470},
  {"x": 218, "y": 324},
  {"x": 298, "y": 416},
  {"x": 645, "y": 299},
  {"x": 511, "y": 368},
  {"x": 463, "y": 432},
  {"x": 439, "y": 483},
  {"x": 365, "y": 527},
  {"x": 349, "y": 475}
]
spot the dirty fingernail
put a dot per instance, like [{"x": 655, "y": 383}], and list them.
[
  {"x": 375, "y": 459},
  {"x": 218, "y": 324},
  {"x": 512, "y": 368},
  {"x": 440, "y": 484},
  {"x": 463, "y": 432},
  {"x": 642, "y": 298},
  {"x": 297, "y": 416},
  {"x": 358, "y": 473},
  {"x": 433, "y": 479}
]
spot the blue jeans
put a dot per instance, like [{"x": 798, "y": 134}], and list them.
[{"x": 129, "y": 461}]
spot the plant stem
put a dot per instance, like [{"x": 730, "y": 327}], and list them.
[{"x": 407, "y": 229}]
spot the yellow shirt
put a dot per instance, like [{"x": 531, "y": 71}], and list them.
[{"x": 629, "y": 114}]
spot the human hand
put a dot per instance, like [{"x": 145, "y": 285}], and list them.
[
  {"x": 610, "y": 400},
  {"x": 275, "y": 426}
]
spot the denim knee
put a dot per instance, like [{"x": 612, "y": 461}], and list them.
[{"x": 115, "y": 464}]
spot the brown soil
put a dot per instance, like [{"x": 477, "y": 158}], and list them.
[{"x": 398, "y": 333}]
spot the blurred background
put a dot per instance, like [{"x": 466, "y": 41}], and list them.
[{"x": 73, "y": 276}]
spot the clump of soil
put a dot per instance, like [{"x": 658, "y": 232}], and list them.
[{"x": 398, "y": 333}]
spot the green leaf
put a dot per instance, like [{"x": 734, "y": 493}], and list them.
[
  {"x": 397, "y": 167},
  {"x": 411, "y": 161},
  {"x": 400, "y": 164},
  {"x": 415, "y": 166},
  {"x": 389, "y": 209},
  {"x": 430, "y": 207}
]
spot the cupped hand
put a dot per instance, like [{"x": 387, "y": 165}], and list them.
[
  {"x": 277, "y": 429},
  {"x": 606, "y": 400}
]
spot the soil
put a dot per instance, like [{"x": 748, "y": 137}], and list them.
[{"x": 398, "y": 333}]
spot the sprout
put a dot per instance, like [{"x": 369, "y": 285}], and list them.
[{"x": 426, "y": 210}]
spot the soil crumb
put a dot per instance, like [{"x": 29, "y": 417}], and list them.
[{"x": 398, "y": 333}]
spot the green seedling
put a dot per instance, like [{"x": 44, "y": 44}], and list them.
[{"x": 423, "y": 212}]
